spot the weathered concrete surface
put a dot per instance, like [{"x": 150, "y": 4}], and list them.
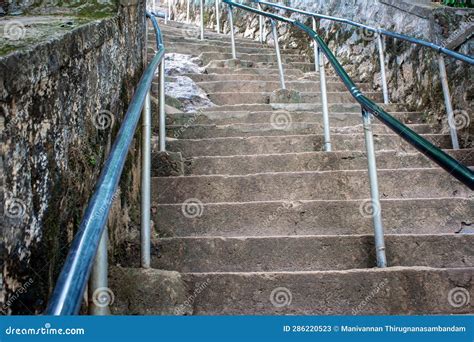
[
  {"x": 62, "y": 108},
  {"x": 281, "y": 123},
  {"x": 309, "y": 253},
  {"x": 294, "y": 217},
  {"x": 167, "y": 164},
  {"x": 253, "y": 117},
  {"x": 139, "y": 291},
  {"x": 292, "y": 143},
  {"x": 331, "y": 185},
  {"x": 389, "y": 291},
  {"x": 311, "y": 161}
]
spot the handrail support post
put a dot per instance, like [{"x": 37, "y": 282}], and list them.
[
  {"x": 201, "y": 5},
  {"x": 162, "y": 108},
  {"x": 232, "y": 37},
  {"x": 447, "y": 102},
  {"x": 383, "y": 76},
  {"x": 315, "y": 48},
  {"x": 374, "y": 191},
  {"x": 187, "y": 11},
  {"x": 261, "y": 24},
  {"x": 278, "y": 54},
  {"x": 218, "y": 24},
  {"x": 145, "y": 235},
  {"x": 324, "y": 102}
]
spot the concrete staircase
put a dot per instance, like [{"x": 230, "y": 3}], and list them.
[{"x": 254, "y": 218}]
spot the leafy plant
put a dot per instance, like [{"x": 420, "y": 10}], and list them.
[{"x": 459, "y": 3}]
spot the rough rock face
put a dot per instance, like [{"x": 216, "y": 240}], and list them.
[
  {"x": 412, "y": 71},
  {"x": 182, "y": 88},
  {"x": 62, "y": 103}
]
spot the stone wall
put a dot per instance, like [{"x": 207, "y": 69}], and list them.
[
  {"x": 412, "y": 71},
  {"x": 61, "y": 105}
]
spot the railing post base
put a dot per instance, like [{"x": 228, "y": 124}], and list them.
[
  {"x": 98, "y": 281},
  {"x": 374, "y": 191}
]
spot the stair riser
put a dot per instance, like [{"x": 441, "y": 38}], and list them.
[
  {"x": 292, "y": 144},
  {"x": 203, "y": 132},
  {"x": 337, "y": 108},
  {"x": 391, "y": 292},
  {"x": 335, "y": 185},
  {"x": 238, "y": 77},
  {"x": 317, "y": 161},
  {"x": 268, "y": 87},
  {"x": 252, "y": 71},
  {"x": 196, "y": 49},
  {"x": 313, "y": 218},
  {"x": 310, "y": 253},
  {"x": 226, "y": 118},
  {"x": 261, "y": 57},
  {"x": 233, "y": 98}
]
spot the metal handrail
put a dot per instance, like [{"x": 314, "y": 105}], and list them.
[
  {"x": 380, "y": 33},
  {"x": 438, "y": 48},
  {"x": 67, "y": 295},
  {"x": 458, "y": 170},
  {"x": 455, "y": 168}
]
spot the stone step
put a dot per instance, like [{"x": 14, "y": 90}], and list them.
[
  {"x": 193, "y": 31},
  {"x": 235, "y": 117},
  {"x": 311, "y": 161},
  {"x": 221, "y": 70},
  {"x": 259, "y": 86},
  {"x": 292, "y": 144},
  {"x": 233, "y": 98},
  {"x": 186, "y": 40},
  {"x": 198, "y": 48},
  {"x": 261, "y": 56},
  {"x": 187, "y": 34},
  {"x": 303, "y": 107},
  {"x": 292, "y": 217},
  {"x": 281, "y": 124},
  {"x": 388, "y": 291},
  {"x": 330, "y": 185},
  {"x": 309, "y": 253},
  {"x": 336, "y": 107},
  {"x": 214, "y": 77}
]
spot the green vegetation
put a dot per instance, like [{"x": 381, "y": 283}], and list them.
[{"x": 459, "y": 3}]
